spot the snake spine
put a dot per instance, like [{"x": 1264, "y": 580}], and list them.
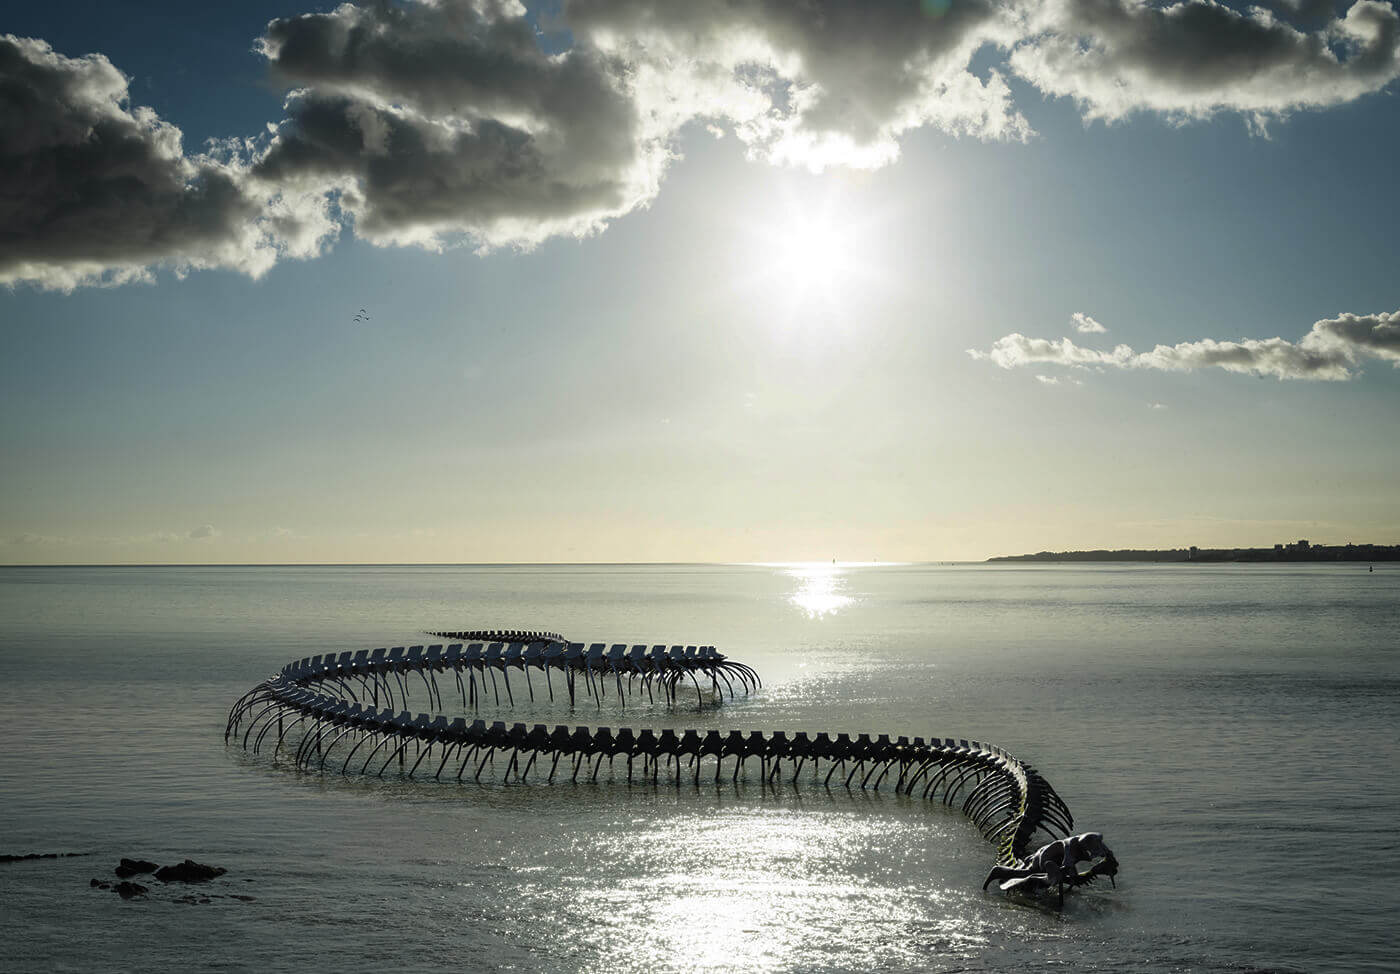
[{"x": 348, "y": 712}]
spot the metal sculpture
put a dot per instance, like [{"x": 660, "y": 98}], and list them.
[
  {"x": 1056, "y": 866},
  {"x": 355, "y": 706}
]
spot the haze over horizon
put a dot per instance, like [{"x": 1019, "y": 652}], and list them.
[{"x": 470, "y": 282}]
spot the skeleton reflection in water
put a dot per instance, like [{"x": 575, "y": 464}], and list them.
[{"x": 315, "y": 704}]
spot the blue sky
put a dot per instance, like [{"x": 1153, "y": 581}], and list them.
[{"x": 778, "y": 302}]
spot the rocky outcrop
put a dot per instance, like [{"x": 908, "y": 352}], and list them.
[
  {"x": 134, "y": 867},
  {"x": 188, "y": 871}
]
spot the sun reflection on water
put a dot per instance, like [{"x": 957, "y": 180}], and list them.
[
  {"x": 820, "y": 589},
  {"x": 771, "y": 889}
]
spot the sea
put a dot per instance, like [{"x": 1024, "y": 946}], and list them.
[{"x": 1232, "y": 730}]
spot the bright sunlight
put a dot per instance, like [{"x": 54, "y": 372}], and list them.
[{"x": 809, "y": 256}]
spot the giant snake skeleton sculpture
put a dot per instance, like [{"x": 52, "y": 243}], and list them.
[{"x": 354, "y": 704}]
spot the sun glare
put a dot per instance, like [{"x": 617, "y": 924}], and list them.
[
  {"x": 820, "y": 590},
  {"x": 808, "y": 258},
  {"x": 811, "y": 257}
]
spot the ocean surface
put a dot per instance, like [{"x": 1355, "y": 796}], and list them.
[{"x": 1233, "y": 730}]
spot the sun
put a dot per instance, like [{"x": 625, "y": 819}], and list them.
[
  {"x": 811, "y": 257},
  {"x": 807, "y": 259}
]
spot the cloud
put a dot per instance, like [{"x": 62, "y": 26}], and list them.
[
  {"x": 818, "y": 84},
  {"x": 434, "y": 123},
  {"x": 1333, "y": 349},
  {"x": 1086, "y": 325},
  {"x": 437, "y": 123},
  {"x": 1016, "y": 349},
  {"x": 96, "y": 191},
  {"x": 1194, "y": 59},
  {"x": 29, "y": 538},
  {"x": 204, "y": 532},
  {"x": 1059, "y": 380}
]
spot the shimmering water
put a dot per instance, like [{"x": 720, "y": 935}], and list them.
[{"x": 1231, "y": 729}]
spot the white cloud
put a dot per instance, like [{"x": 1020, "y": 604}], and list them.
[
  {"x": 1332, "y": 350},
  {"x": 1086, "y": 325},
  {"x": 204, "y": 532},
  {"x": 1016, "y": 349}
]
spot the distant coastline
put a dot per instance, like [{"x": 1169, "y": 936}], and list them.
[{"x": 1291, "y": 551}]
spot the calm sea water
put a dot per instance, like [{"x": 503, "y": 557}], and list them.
[{"x": 1233, "y": 730}]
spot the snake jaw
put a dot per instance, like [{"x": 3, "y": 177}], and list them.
[
  {"x": 1105, "y": 866},
  {"x": 1056, "y": 865}
]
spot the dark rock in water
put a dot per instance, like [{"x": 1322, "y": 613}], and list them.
[
  {"x": 131, "y": 867},
  {"x": 128, "y": 890},
  {"x": 95, "y": 882},
  {"x": 188, "y": 871}
]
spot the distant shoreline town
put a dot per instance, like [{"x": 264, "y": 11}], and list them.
[{"x": 1290, "y": 551}]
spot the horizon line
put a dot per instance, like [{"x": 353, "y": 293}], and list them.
[{"x": 465, "y": 564}]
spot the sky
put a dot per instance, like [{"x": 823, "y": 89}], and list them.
[{"x": 621, "y": 281}]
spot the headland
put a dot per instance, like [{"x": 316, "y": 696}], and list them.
[{"x": 1301, "y": 550}]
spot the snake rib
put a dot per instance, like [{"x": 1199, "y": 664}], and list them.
[{"x": 356, "y": 706}]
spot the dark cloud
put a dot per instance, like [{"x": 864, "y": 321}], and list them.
[
  {"x": 1358, "y": 336},
  {"x": 817, "y": 83},
  {"x": 435, "y": 123},
  {"x": 88, "y": 183},
  {"x": 1331, "y": 350},
  {"x": 94, "y": 190},
  {"x": 1196, "y": 58},
  {"x": 1310, "y": 13},
  {"x": 436, "y": 120}
]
